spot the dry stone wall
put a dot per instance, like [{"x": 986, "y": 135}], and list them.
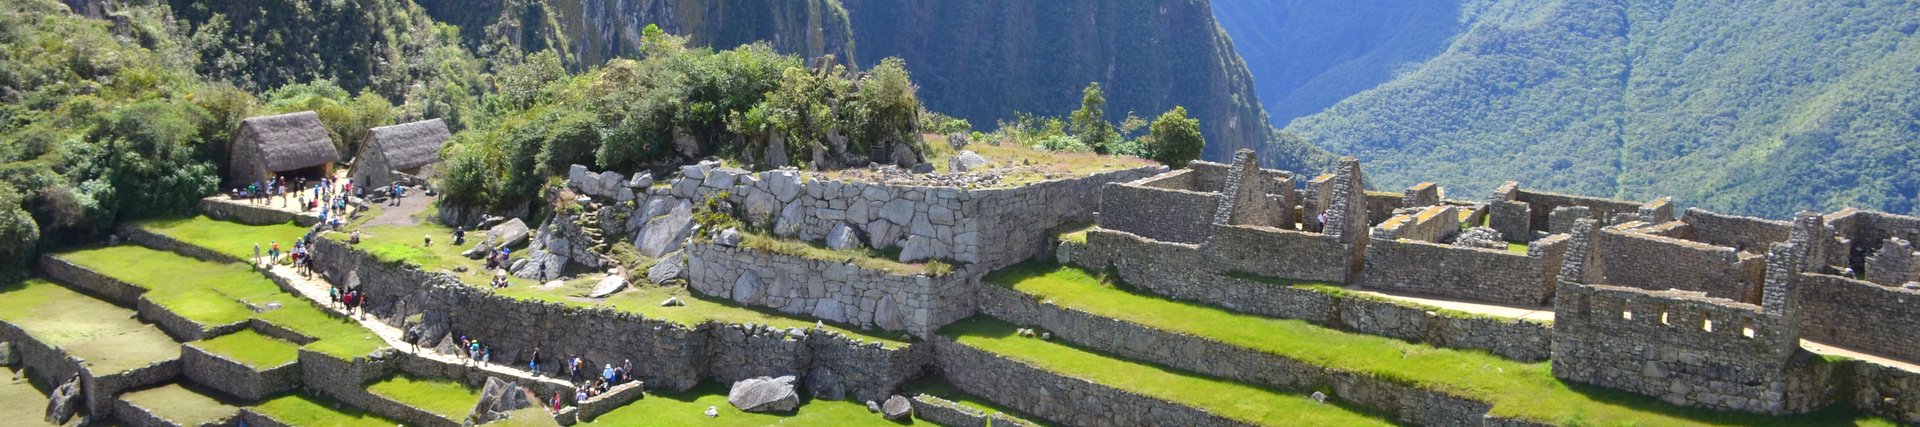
[
  {"x": 1159, "y": 209},
  {"x": 1859, "y": 315},
  {"x": 665, "y": 354},
  {"x": 834, "y": 291},
  {"x": 1490, "y": 275},
  {"x": 221, "y": 207},
  {"x": 1278, "y": 253},
  {"x": 942, "y": 412},
  {"x": 1199, "y": 354},
  {"x": 1631, "y": 258},
  {"x": 235, "y": 378},
  {"x": 1744, "y": 233},
  {"x": 1059, "y": 398},
  {"x": 1165, "y": 269}
]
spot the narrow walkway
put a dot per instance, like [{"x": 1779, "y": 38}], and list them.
[
  {"x": 315, "y": 289},
  {"x": 1546, "y": 314}
]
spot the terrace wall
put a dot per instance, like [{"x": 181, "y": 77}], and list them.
[
  {"x": 1630, "y": 258},
  {"x": 1273, "y": 252},
  {"x": 223, "y": 208},
  {"x": 92, "y": 283},
  {"x": 235, "y": 378},
  {"x": 1860, "y": 315},
  {"x": 1167, "y": 269},
  {"x": 1885, "y": 391},
  {"x": 835, "y": 291},
  {"x": 54, "y": 366},
  {"x": 994, "y": 227},
  {"x": 1130, "y": 340},
  {"x": 942, "y": 412},
  {"x": 1457, "y": 272},
  {"x": 668, "y": 354},
  {"x": 134, "y": 233},
  {"x": 131, "y": 414},
  {"x": 1073, "y": 401}
]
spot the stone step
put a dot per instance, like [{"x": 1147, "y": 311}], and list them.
[{"x": 1070, "y": 385}]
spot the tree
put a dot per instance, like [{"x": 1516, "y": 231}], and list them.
[
  {"x": 886, "y": 110},
  {"x": 1090, "y": 124},
  {"x": 1176, "y": 138},
  {"x": 18, "y": 234}
]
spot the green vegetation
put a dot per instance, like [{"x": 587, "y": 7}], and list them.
[
  {"x": 863, "y": 258},
  {"x": 1517, "y": 247},
  {"x": 107, "y": 336},
  {"x": 180, "y": 405},
  {"x": 304, "y": 410},
  {"x": 249, "y": 347},
  {"x": 1523, "y": 390},
  {"x": 1250, "y": 404},
  {"x": 226, "y": 237},
  {"x": 1175, "y": 139},
  {"x": 667, "y": 408},
  {"x": 221, "y": 293},
  {"x": 443, "y": 397},
  {"x": 1755, "y": 108}
]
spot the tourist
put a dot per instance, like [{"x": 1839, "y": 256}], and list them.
[
  {"x": 354, "y": 238},
  {"x": 556, "y": 402},
  {"x": 533, "y": 364},
  {"x": 273, "y": 254},
  {"x": 626, "y": 370},
  {"x": 609, "y": 373},
  {"x": 429, "y": 239},
  {"x": 256, "y": 255},
  {"x": 486, "y": 355},
  {"x": 573, "y": 369},
  {"x": 579, "y": 395},
  {"x": 333, "y": 295},
  {"x": 460, "y": 235}
]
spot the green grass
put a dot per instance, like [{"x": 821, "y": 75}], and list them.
[
  {"x": 304, "y": 410},
  {"x": 939, "y": 388},
  {"x": 249, "y": 347},
  {"x": 863, "y": 258},
  {"x": 447, "y": 398},
  {"x": 394, "y": 243},
  {"x": 1523, "y": 390},
  {"x": 226, "y": 237},
  {"x": 107, "y": 336},
  {"x": 220, "y": 293},
  {"x": 1519, "y": 248},
  {"x": 1255, "y": 405},
  {"x": 688, "y": 409},
  {"x": 181, "y": 405}
]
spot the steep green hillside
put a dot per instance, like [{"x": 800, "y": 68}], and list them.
[
  {"x": 983, "y": 60},
  {"x": 1306, "y": 55},
  {"x": 1752, "y": 107},
  {"x": 595, "y": 31}
]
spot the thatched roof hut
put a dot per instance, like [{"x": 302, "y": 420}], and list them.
[
  {"x": 407, "y": 148},
  {"x": 293, "y": 143}
]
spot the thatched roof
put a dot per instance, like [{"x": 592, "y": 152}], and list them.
[
  {"x": 290, "y": 141},
  {"x": 407, "y": 145}
]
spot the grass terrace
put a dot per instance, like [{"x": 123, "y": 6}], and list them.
[
  {"x": 1254, "y": 405},
  {"x": 446, "y": 398},
  {"x": 229, "y": 238},
  {"x": 940, "y": 388},
  {"x": 864, "y": 258},
  {"x": 252, "y": 348},
  {"x": 181, "y": 405},
  {"x": 1340, "y": 292},
  {"x": 107, "y": 336},
  {"x": 1516, "y": 389},
  {"x": 403, "y": 243},
  {"x": 673, "y": 409},
  {"x": 222, "y": 293},
  {"x": 303, "y": 410}
]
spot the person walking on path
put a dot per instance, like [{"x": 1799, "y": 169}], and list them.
[
  {"x": 256, "y": 255},
  {"x": 533, "y": 364}
]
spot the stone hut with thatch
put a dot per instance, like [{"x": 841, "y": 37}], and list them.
[
  {"x": 389, "y": 151},
  {"x": 292, "y": 145}
]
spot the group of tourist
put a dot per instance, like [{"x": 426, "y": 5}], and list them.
[
  {"x": 609, "y": 376},
  {"x": 473, "y": 351},
  {"x": 263, "y": 192},
  {"x": 351, "y": 299}
]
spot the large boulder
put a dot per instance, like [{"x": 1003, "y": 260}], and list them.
[
  {"x": 64, "y": 402},
  {"x": 672, "y": 266},
  {"x": 667, "y": 232},
  {"x": 966, "y": 161},
  {"x": 508, "y": 234},
  {"x": 728, "y": 237},
  {"x": 749, "y": 289},
  {"x": 843, "y": 237},
  {"x": 764, "y": 394},
  {"x": 608, "y": 286},
  {"x": 896, "y": 408},
  {"x": 958, "y": 140},
  {"x": 497, "y": 399}
]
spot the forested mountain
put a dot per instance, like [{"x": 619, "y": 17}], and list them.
[
  {"x": 1762, "y": 108},
  {"x": 1306, "y": 55},
  {"x": 594, "y": 31},
  {"x": 983, "y": 60}
]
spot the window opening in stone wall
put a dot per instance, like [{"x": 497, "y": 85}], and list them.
[
  {"x": 1746, "y": 328},
  {"x": 1706, "y": 322},
  {"x": 1663, "y": 319},
  {"x": 1626, "y": 314}
]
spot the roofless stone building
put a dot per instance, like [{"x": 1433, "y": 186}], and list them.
[
  {"x": 293, "y": 145},
  {"x": 407, "y": 148}
]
